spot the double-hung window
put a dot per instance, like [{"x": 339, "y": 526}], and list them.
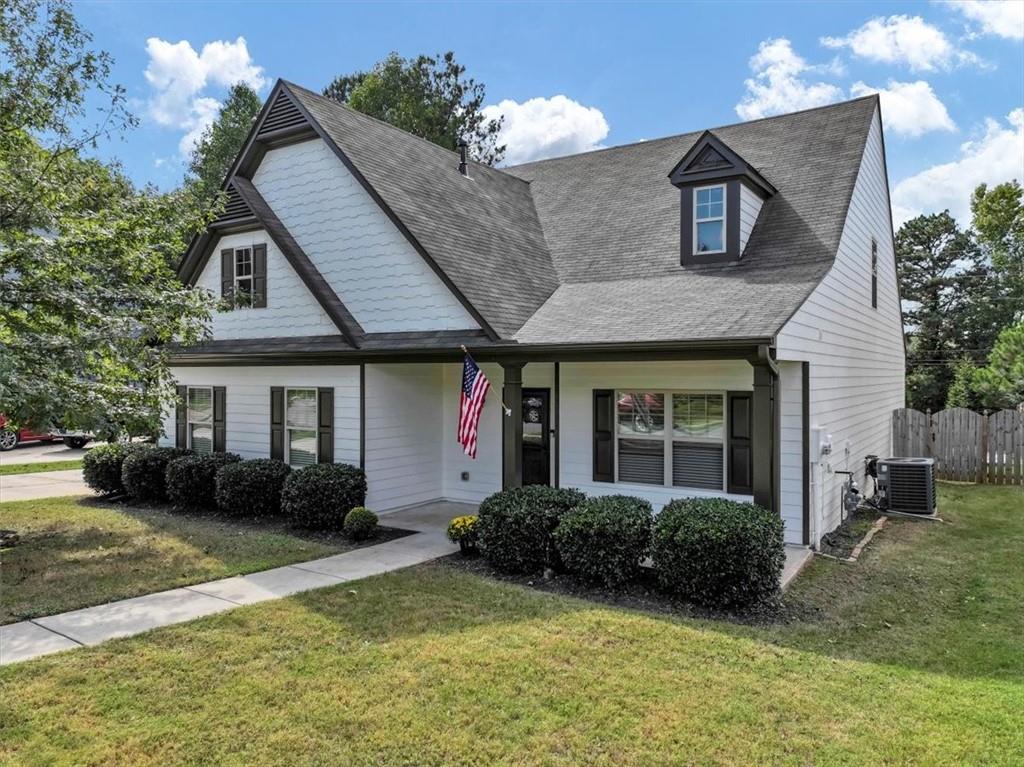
[
  {"x": 709, "y": 219},
  {"x": 671, "y": 438},
  {"x": 243, "y": 263},
  {"x": 300, "y": 427},
  {"x": 200, "y": 419}
]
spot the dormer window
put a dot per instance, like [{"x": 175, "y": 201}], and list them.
[
  {"x": 243, "y": 277},
  {"x": 709, "y": 219}
]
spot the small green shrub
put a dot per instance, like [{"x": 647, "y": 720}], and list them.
[
  {"x": 191, "y": 480},
  {"x": 605, "y": 539},
  {"x": 319, "y": 496},
  {"x": 101, "y": 466},
  {"x": 515, "y": 526},
  {"x": 251, "y": 488},
  {"x": 360, "y": 524},
  {"x": 717, "y": 552},
  {"x": 144, "y": 472}
]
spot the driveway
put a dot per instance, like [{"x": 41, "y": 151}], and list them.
[
  {"x": 47, "y": 484},
  {"x": 42, "y": 452}
]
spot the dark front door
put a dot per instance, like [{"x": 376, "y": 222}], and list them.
[{"x": 536, "y": 437}]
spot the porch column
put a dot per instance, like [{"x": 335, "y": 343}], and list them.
[
  {"x": 764, "y": 434},
  {"x": 512, "y": 426}
]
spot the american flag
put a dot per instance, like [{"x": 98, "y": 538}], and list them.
[{"x": 474, "y": 390}]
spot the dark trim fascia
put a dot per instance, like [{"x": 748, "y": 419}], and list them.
[
  {"x": 888, "y": 202},
  {"x": 805, "y": 407},
  {"x": 234, "y": 226},
  {"x": 340, "y": 154},
  {"x": 738, "y": 168},
  {"x": 556, "y": 413},
  {"x": 349, "y": 327}
]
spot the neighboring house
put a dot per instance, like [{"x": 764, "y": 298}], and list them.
[{"x": 677, "y": 317}]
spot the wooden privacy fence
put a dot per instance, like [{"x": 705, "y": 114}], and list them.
[{"x": 967, "y": 446}]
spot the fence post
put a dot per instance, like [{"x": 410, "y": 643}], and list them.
[
  {"x": 983, "y": 449},
  {"x": 930, "y": 444}
]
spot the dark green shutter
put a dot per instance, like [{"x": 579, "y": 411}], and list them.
[
  {"x": 277, "y": 422},
  {"x": 259, "y": 276},
  {"x": 227, "y": 272},
  {"x": 604, "y": 435},
  {"x": 220, "y": 432},
  {"x": 740, "y": 449},
  {"x": 181, "y": 418},
  {"x": 325, "y": 424}
]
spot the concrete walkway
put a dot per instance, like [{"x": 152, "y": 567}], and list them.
[
  {"x": 43, "y": 484},
  {"x": 93, "y": 625}
]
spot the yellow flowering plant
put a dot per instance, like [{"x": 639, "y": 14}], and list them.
[{"x": 463, "y": 531}]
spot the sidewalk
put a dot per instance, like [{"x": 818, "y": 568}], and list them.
[
  {"x": 92, "y": 625},
  {"x": 44, "y": 484}
]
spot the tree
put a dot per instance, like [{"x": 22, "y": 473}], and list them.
[
  {"x": 999, "y": 383},
  {"x": 427, "y": 96},
  {"x": 88, "y": 300},
  {"x": 222, "y": 140}
]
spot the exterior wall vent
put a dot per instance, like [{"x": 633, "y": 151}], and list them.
[{"x": 283, "y": 117}]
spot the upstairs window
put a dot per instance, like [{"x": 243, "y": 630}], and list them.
[
  {"x": 709, "y": 219},
  {"x": 243, "y": 276},
  {"x": 874, "y": 273}
]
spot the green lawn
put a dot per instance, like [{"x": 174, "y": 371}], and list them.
[
  {"x": 36, "y": 468},
  {"x": 74, "y": 554},
  {"x": 917, "y": 658}
]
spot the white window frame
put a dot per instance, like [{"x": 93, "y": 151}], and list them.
[
  {"x": 725, "y": 234},
  {"x": 669, "y": 436},
  {"x": 288, "y": 429},
  {"x": 189, "y": 422},
  {"x": 250, "y": 277}
]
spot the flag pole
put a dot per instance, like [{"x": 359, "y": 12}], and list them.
[{"x": 506, "y": 408}]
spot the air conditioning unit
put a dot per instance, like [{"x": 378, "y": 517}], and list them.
[{"x": 907, "y": 484}]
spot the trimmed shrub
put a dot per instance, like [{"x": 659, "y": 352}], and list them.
[
  {"x": 360, "y": 524},
  {"x": 191, "y": 479},
  {"x": 605, "y": 539},
  {"x": 251, "y": 488},
  {"x": 319, "y": 496},
  {"x": 515, "y": 526},
  {"x": 101, "y": 466},
  {"x": 717, "y": 552},
  {"x": 144, "y": 471}
]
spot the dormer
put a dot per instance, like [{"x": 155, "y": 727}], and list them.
[{"x": 720, "y": 199}]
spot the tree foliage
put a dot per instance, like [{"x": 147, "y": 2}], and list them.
[
  {"x": 87, "y": 293},
  {"x": 428, "y": 96},
  {"x": 222, "y": 140}
]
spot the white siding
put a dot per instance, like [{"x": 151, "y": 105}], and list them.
[
  {"x": 750, "y": 207},
  {"x": 248, "y": 404},
  {"x": 378, "y": 275},
  {"x": 291, "y": 309},
  {"x": 855, "y": 352},
  {"x": 791, "y": 461},
  {"x": 403, "y": 434}
]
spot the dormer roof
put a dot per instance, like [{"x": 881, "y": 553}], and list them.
[{"x": 711, "y": 159}]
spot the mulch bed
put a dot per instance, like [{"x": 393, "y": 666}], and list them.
[
  {"x": 643, "y": 595},
  {"x": 841, "y": 541}
]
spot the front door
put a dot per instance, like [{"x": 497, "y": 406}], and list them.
[{"x": 536, "y": 437}]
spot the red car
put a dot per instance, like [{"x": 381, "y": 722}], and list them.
[{"x": 11, "y": 438}]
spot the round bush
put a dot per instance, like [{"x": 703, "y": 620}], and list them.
[
  {"x": 144, "y": 470},
  {"x": 717, "y": 552},
  {"x": 605, "y": 539},
  {"x": 101, "y": 466},
  {"x": 251, "y": 488},
  {"x": 191, "y": 479},
  {"x": 515, "y": 526},
  {"x": 360, "y": 524},
  {"x": 320, "y": 496}
]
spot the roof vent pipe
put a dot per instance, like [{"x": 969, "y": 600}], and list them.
[{"x": 463, "y": 167}]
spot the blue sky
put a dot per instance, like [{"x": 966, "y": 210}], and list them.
[{"x": 571, "y": 77}]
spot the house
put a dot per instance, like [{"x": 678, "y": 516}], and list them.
[{"x": 686, "y": 316}]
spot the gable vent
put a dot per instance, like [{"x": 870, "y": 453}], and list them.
[
  {"x": 235, "y": 208},
  {"x": 283, "y": 116}
]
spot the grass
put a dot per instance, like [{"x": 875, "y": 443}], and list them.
[
  {"x": 36, "y": 468},
  {"x": 75, "y": 553},
  {"x": 915, "y": 658}
]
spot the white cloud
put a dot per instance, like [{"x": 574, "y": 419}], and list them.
[
  {"x": 908, "y": 40},
  {"x": 540, "y": 128},
  {"x": 178, "y": 76},
  {"x": 993, "y": 158},
  {"x": 1003, "y": 18},
  {"x": 778, "y": 84},
  {"x": 909, "y": 109}
]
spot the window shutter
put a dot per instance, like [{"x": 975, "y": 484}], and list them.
[
  {"x": 741, "y": 456},
  {"x": 227, "y": 272},
  {"x": 604, "y": 435},
  {"x": 259, "y": 276},
  {"x": 325, "y": 425},
  {"x": 874, "y": 274},
  {"x": 181, "y": 418},
  {"x": 277, "y": 422},
  {"x": 220, "y": 432}
]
